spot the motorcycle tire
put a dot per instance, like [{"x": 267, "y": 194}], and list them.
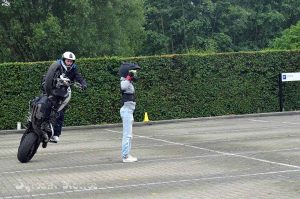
[
  {"x": 50, "y": 78},
  {"x": 28, "y": 147}
]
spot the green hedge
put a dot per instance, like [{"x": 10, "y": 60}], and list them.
[{"x": 173, "y": 86}]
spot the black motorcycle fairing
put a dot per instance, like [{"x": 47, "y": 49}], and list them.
[
  {"x": 41, "y": 108},
  {"x": 40, "y": 116}
]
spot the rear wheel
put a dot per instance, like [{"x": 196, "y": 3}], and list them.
[
  {"x": 50, "y": 78},
  {"x": 28, "y": 147}
]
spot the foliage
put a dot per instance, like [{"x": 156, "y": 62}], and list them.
[
  {"x": 218, "y": 26},
  {"x": 290, "y": 39},
  {"x": 42, "y": 30}
]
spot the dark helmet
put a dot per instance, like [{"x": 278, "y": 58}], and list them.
[{"x": 126, "y": 67}]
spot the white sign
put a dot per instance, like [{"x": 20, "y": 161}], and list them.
[{"x": 285, "y": 77}]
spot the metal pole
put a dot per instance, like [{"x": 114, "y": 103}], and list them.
[{"x": 280, "y": 93}]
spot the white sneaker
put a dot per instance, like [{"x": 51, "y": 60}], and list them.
[
  {"x": 130, "y": 159},
  {"x": 54, "y": 139}
]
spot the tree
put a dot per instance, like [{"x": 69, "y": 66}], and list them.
[
  {"x": 47, "y": 38},
  {"x": 41, "y": 30},
  {"x": 290, "y": 39},
  {"x": 214, "y": 25}
]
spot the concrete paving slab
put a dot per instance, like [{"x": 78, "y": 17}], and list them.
[{"x": 225, "y": 157}]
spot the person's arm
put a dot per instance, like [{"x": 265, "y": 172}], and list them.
[
  {"x": 125, "y": 86},
  {"x": 80, "y": 79}
]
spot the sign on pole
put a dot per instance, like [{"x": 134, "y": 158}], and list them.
[{"x": 285, "y": 77}]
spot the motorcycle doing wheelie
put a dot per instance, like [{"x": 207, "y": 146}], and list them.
[{"x": 42, "y": 114}]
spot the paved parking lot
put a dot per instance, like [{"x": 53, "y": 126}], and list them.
[{"x": 231, "y": 157}]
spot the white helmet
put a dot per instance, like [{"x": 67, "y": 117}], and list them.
[{"x": 68, "y": 55}]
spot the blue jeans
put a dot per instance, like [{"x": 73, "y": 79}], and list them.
[
  {"x": 127, "y": 119},
  {"x": 59, "y": 123}
]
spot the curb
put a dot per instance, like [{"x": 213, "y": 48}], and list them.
[{"x": 68, "y": 128}]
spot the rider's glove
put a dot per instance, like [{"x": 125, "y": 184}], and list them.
[
  {"x": 80, "y": 86},
  {"x": 83, "y": 87}
]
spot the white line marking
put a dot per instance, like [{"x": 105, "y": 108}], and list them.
[
  {"x": 290, "y": 123},
  {"x": 215, "y": 151},
  {"x": 153, "y": 183},
  {"x": 256, "y": 120},
  {"x": 253, "y": 120},
  {"x": 269, "y": 151}
]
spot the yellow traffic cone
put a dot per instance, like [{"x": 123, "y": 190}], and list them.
[{"x": 146, "y": 119}]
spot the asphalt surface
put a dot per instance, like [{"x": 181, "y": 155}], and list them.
[{"x": 255, "y": 156}]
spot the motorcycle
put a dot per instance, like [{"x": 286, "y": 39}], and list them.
[{"x": 41, "y": 118}]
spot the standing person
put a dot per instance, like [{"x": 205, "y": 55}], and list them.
[
  {"x": 67, "y": 68},
  {"x": 128, "y": 74}
]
